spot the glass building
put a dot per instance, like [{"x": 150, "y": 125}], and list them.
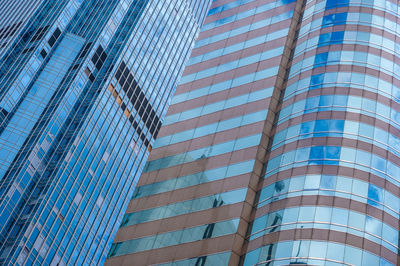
[
  {"x": 84, "y": 88},
  {"x": 281, "y": 145}
]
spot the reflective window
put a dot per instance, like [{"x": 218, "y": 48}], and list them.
[
  {"x": 184, "y": 207},
  {"x": 175, "y": 237},
  {"x": 312, "y": 253}
]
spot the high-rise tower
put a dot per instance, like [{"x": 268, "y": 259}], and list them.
[
  {"x": 84, "y": 87},
  {"x": 281, "y": 143}
]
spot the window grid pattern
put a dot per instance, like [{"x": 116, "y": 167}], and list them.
[
  {"x": 217, "y": 113},
  {"x": 72, "y": 151},
  {"x": 338, "y": 116}
]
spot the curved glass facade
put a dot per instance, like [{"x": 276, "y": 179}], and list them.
[{"x": 331, "y": 179}]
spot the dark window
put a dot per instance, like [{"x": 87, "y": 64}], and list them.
[
  {"x": 99, "y": 57},
  {"x": 89, "y": 74},
  {"x": 54, "y": 37},
  {"x": 27, "y": 50},
  {"x": 91, "y": 77},
  {"x": 43, "y": 53},
  {"x": 9, "y": 30},
  {"x": 3, "y": 113},
  {"x": 137, "y": 98}
]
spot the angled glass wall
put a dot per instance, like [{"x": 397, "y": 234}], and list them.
[{"x": 84, "y": 88}]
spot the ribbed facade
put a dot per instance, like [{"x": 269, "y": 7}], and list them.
[
  {"x": 330, "y": 193},
  {"x": 281, "y": 142},
  {"x": 84, "y": 88},
  {"x": 195, "y": 197}
]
